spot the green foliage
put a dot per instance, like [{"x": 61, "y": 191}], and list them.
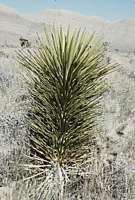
[{"x": 66, "y": 74}]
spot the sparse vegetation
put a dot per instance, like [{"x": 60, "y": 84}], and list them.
[{"x": 24, "y": 42}]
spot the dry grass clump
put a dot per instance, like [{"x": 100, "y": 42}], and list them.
[{"x": 96, "y": 180}]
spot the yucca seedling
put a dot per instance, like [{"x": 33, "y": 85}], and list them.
[{"x": 66, "y": 75}]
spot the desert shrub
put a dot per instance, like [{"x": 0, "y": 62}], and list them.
[{"x": 66, "y": 82}]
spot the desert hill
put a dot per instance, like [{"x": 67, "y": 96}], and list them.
[
  {"x": 119, "y": 34},
  {"x": 13, "y": 26}
]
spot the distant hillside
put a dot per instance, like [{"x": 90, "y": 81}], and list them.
[
  {"x": 119, "y": 34},
  {"x": 13, "y": 26}
]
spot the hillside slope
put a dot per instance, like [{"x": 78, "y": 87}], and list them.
[{"x": 119, "y": 34}]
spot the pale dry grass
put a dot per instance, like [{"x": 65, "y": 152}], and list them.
[{"x": 97, "y": 179}]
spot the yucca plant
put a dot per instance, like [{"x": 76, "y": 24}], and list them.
[{"x": 66, "y": 73}]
